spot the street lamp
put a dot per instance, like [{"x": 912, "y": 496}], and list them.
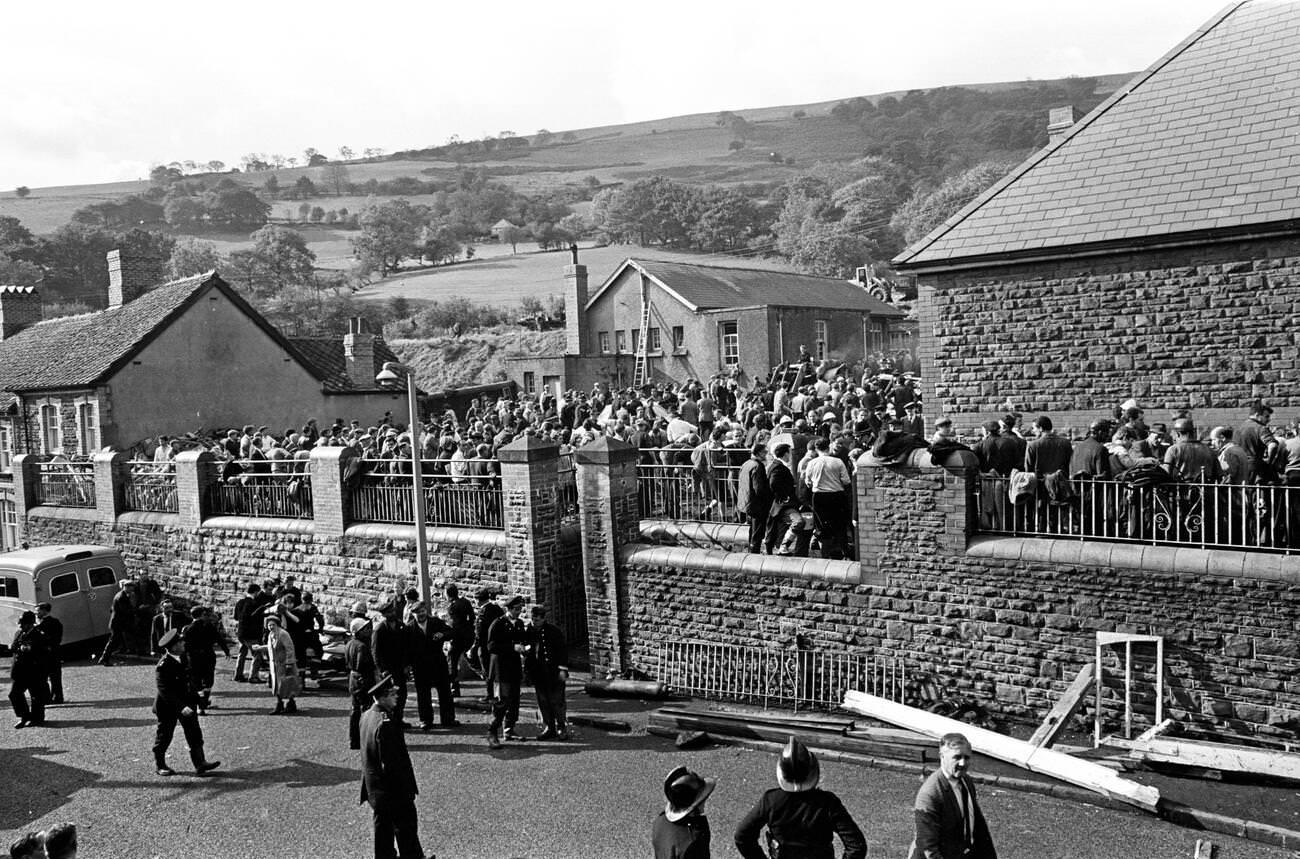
[{"x": 392, "y": 375}]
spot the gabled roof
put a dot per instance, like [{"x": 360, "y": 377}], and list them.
[
  {"x": 325, "y": 354},
  {"x": 79, "y": 351},
  {"x": 1207, "y": 138},
  {"x": 702, "y": 287}
]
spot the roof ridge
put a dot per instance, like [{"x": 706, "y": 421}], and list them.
[
  {"x": 741, "y": 268},
  {"x": 1036, "y": 158}
]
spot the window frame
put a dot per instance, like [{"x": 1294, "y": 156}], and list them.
[
  {"x": 6, "y": 447},
  {"x": 87, "y": 431},
  {"x": 602, "y": 342},
  {"x": 730, "y": 343},
  {"x": 530, "y": 382},
  {"x": 112, "y": 577},
  {"x": 820, "y": 339},
  {"x": 60, "y": 577},
  {"x": 44, "y": 410},
  {"x": 620, "y": 341},
  {"x": 653, "y": 341},
  {"x": 679, "y": 336},
  {"x": 8, "y": 523}
]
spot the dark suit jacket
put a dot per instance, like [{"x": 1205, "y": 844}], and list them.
[
  {"x": 780, "y": 480},
  {"x": 547, "y": 653},
  {"x": 688, "y": 838},
  {"x": 161, "y": 624},
  {"x": 507, "y": 665},
  {"x": 174, "y": 693},
  {"x": 388, "y": 647},
  {"x": 424, "y": 646},
  {"x": 386, "y": 771},
  {"x": 754, "y": 496},
  {"x": 939, "y": 825}
]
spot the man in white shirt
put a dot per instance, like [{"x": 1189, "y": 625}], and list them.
[{"x": 828, "y": 478}]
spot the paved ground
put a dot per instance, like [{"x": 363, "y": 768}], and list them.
[{"x": 288, "y": 788}]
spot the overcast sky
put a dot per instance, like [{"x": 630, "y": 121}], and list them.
[{"x": 97, "y": 92}]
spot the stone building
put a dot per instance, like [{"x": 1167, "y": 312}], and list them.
[
  {"x": 704, "y": 320},
  {"x": 184, "y": 356},
  {"x": 1151, "y": 251}
]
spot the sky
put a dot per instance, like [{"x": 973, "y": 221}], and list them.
[{"x": 98, "y": 92}]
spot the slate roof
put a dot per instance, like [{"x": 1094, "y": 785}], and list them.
[
  {"x": 1207, "y": 138},
  {"x": 85, "y": 350},
  {"x": 702, "y": 287},
  {"x": 326, "y": 355}
]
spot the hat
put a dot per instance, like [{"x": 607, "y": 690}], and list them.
[
  {"x": 513, "y": 601},
  {"x": 685, "y": 791},
  {"x": 787, "y": 419},
  {"x": 538, "y": 608},
  {"x": 167, "y": 638},
  {"x": 385, "y": 683},
  {"x": 27, "y": 618},
  {"x": 483, "y": 594},
  {"x": 359, "y": 608},
  {"x": 358, "y": 624},
  {"x": 797, "y": 770}
]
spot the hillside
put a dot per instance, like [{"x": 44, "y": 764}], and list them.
[{"x": 471, "y": 359}]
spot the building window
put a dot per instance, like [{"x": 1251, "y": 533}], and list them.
[
  {"x": 51, "y": 429},
  {"x": 602, "y": 340},
  {"x": 6, "y": 449},
  {"x": 620, "y": 342},
  {"x": 878, "y": 338},
  {"x": 8, "y": 528},
  {"x": 530, "y": 383},
  {"x": 636, "y": 342},
  {"x": 679, "y": 337},
  {"x": 819, "y": 339},
  {"x": 730, "y": 345},
  {"x": 652, "y": 343},
  {"x": 87, "y": 427}
]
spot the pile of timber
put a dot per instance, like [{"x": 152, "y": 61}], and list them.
[
  {"x": 836, "y": 733},
  {"x": 1158, "y": 749}
]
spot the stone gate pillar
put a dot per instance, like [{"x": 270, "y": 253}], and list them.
[{"x": 530, "y": 507}]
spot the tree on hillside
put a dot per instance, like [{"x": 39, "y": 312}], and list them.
[
  {"x": 16, "y": 272},
  {"x": 182, "y": 210},
  {"x": 438, "y": 243},
  {"x": 346, "y": 153},
  {"x": 22, "y": 191},
  {"x": 278, "y": 259},
  {"x": 542, "y": 137},
  {"x": 336, "y": 176},
  {"x": 15, "y": 239},
  {"x": 930, "y": 207},
  {"x": 388, "y": 234},
  {"x": 232, "y": 205},
  {"x": 513, "y": 235},
  {"x": 271, "y": 187},
  {"x": 215, "y": 166},
  {"x": 191, "y": 256}
]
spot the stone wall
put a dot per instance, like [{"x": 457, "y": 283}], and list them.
[{"x": 1206, "y": 328}]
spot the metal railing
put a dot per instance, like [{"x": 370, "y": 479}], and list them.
[
  {"x": 1205, "y": 515},
  {"x": 245, "y": 488},
  {"x": 671, "y": 489},
  {"x": 151, "y": 487},
  {"x": 473, "y": 502},
  {"x": 777, "y": 677},
  {"x": 566, "y": 489},
  {"x": 66, "y": 484}
]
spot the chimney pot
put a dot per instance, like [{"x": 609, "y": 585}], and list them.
[
  {"x": 577, "y": 339},
  {"x": 20, "y": 306},
  {"x": 359, "y": 353}
]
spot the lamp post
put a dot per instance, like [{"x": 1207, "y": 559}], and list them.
[{"x": 392, "y": 375}]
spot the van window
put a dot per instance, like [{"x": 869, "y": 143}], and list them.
[
  {"x": 8, "y": 587},
  {"x": 64, "y": 584},
  {"x": 101, "y": 577}
]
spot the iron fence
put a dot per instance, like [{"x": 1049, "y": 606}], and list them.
[
  {"x": 566, "y": 487},
  {"x": 474, "y": 502},
  {"x": 670, "y": 488},
  {"x": 771, "y": 677},
  {"x": 66, "y": 484},
  {"x": 252, "y": 489},
  {"x": 151, "y": 487},
  {"x": 1204, "y": 515}
]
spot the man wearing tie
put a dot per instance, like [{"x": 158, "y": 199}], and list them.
[
  {"x": 949, "y": 823},
  {"x": 163, "y": 623}
]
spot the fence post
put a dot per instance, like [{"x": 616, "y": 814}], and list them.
[
  {"x": 329, "y": 494},
  {"x": 112, "y": 471},
  {"x": 27, "y": 480},
  {"x": 610, "y": 518},
  {"x": 531, "y": 514},
  {"x": 194, "y": 474}
]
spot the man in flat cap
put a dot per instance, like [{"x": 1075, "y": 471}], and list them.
[
  {"x": 176, "y": 701},
  {"x": 507, "y": 642},
  {"x": 387, "y": 777}
]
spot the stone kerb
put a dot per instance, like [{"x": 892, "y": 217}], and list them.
[
  {"x": 112, "y": 471},
  {"x": 194, "y": 474},
  {"x": 328, "y": 467},
  {"x": 909, "y": 510},
  {"x": 610, "y": 519},
  {"x": 530, "y": 510}
]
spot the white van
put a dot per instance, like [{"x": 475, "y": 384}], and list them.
[{"x": 78, "y": 582}]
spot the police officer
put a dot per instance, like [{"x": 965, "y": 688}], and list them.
[
  {"x": 507, "y": 641},
  {"x": 175, "y": 702},
  {"x": 28, "y": 672},
  {"x": 800, "y": 818},
  {"x": 387, "y": 777}
]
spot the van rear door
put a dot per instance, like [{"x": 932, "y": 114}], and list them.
[
  {"x": 102, "y": 575},
  {"x": 64, "y": 587}
]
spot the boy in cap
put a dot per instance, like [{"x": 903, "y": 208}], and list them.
[
  {"x": 800, "y": 818},
  {"x": 387, "y": 777},
  {"x": 681, "y": 831},
  {"x": 176, "y": 702}
]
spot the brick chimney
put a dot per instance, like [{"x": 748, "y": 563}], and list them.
[
  {"x": 1059, "y": 121},
  {"x": 577, "y": 339},
  {"x": 131, "y": 276},
  {"x": 20, "y": 306},
  {"x": 359, "y": 352}
]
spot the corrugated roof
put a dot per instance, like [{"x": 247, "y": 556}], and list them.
[
  {"x": 1207, "y": 138},
  {"x": 703, "y": 287},
  {"x": 326, "y": 355}
]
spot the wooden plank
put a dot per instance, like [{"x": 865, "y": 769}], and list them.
[
  {"x": 1060, "y": 715},
  {"x": 1154, "y": 731},
  {"x": 1204, "y": 849},
  {"x": 775, "y": 733},
  {"x": 1080, "y": 773},
  {"x": 838, "y": 724},
  {"x": 1219, "y": 756}
]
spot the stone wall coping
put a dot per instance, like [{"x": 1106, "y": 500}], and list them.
[
  {"x": 719, "y": 561},
  {"x": 436, "y": 535},
  {"x": 605, "y": 451},
  {"x": 112, "y": 456},
  {"x": 1186, "y": 560},
  {"x": 528, "y": 449},
  {"x": 331, "y": 453},
  {"x": 49, "y": 511},
  {"x": 720, "y": 534},
  {"x": 148, "y": 517},
  {"x": 195, "y": 456},
  {"x": 259, "y": 524}
]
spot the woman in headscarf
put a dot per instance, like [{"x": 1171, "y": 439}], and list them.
[{"x": 284, "y": 666}]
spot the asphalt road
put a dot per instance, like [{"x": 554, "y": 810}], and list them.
[{"x": 288, "y": 787}]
